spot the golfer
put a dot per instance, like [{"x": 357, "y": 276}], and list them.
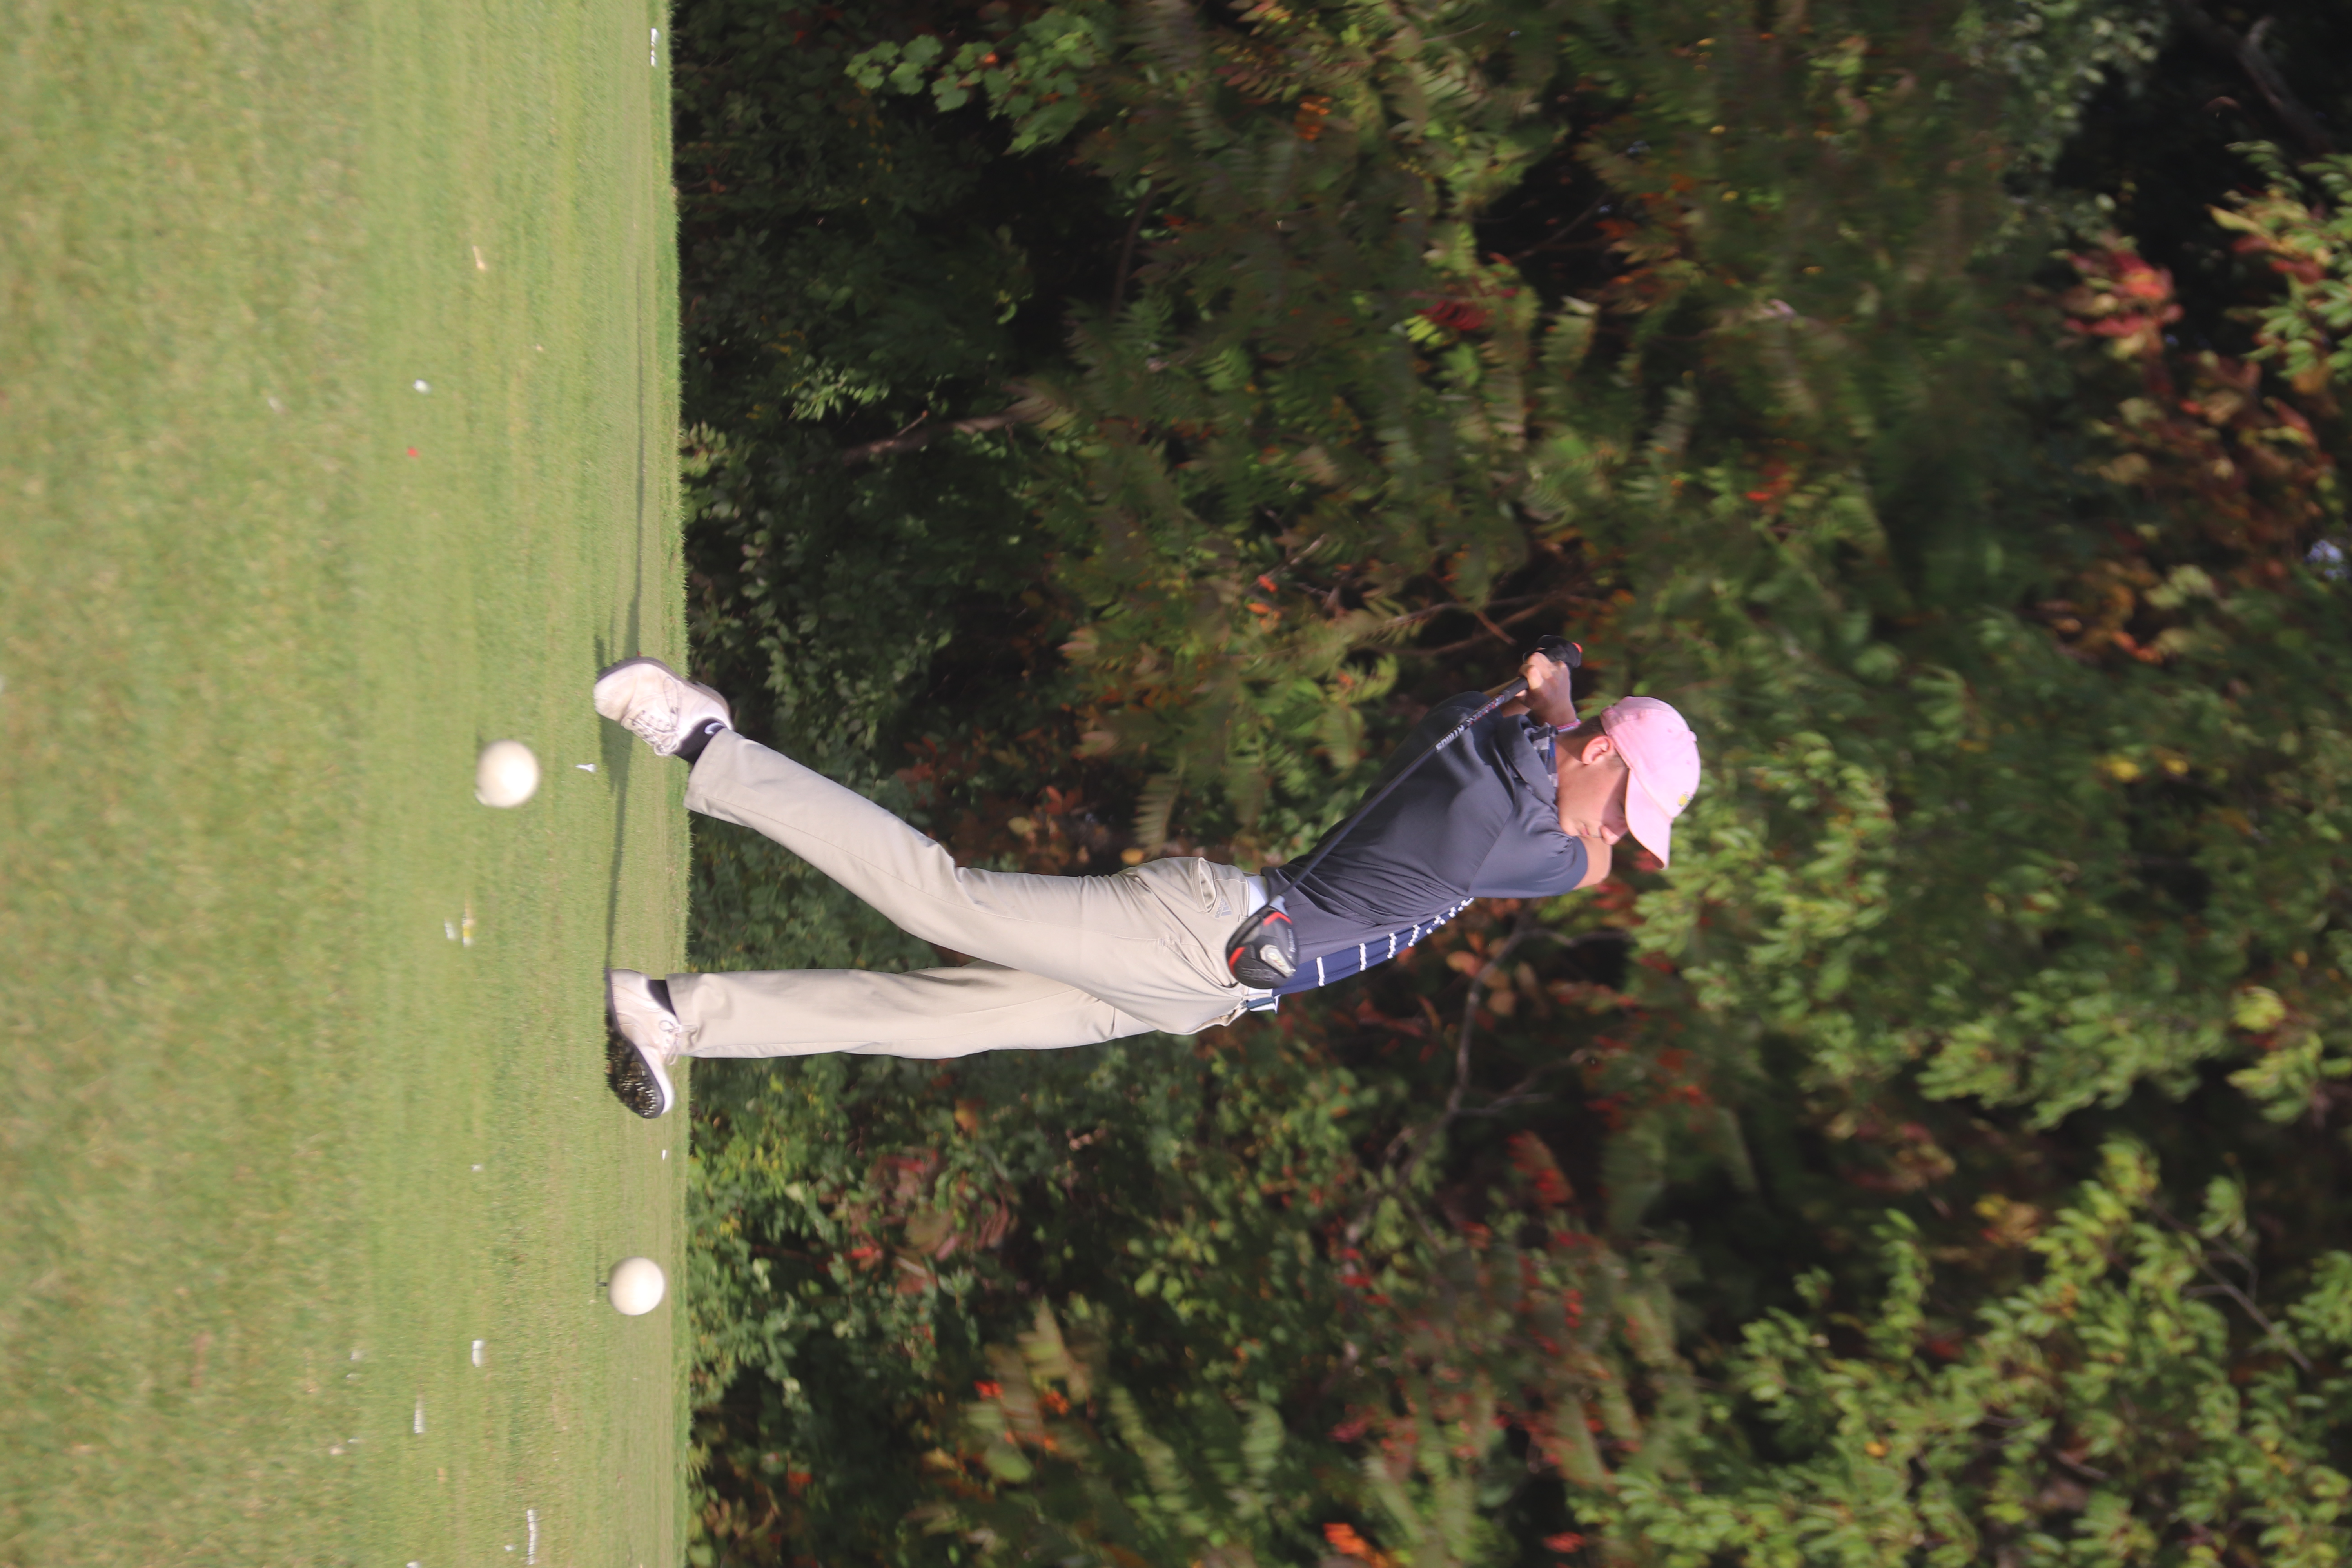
[{"x": 1527, "y": 804}]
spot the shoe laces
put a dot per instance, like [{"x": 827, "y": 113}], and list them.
[{"x": 657, "y": 718}]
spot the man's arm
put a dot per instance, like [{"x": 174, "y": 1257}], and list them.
[{"x": 1549, "y": 700}]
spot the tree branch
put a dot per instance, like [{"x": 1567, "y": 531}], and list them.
[
  {"x": 920, "y": 433},
  {"x": 1549, "y": 601},
  {"x": 1127, "y": 249},
  {"x": 2270, "y": 1330},
  {"x": 2088, "y": 1472},
  {"x": 1391, "y": 1177},
  {"x": 2247, "y": 52}
]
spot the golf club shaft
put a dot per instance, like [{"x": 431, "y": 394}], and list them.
[{"x": 1509, "y": 693}]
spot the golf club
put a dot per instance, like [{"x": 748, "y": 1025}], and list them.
[{"x": 1263, "y": 951}]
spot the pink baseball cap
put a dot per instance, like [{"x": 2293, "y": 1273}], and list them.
[{"x": 1661, "y": 755}]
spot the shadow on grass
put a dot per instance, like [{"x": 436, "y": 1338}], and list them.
[{"x": 617, "y": 751}]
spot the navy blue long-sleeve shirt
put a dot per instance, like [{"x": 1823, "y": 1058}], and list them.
[{"x": 1478, "y": 820}]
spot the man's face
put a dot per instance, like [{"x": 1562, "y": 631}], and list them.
[{"x": 1592, "y": 784}]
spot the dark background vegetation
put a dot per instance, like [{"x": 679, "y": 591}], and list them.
[{"x": 1112, "y": 426}]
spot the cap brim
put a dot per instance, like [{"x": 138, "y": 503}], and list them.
[{"x": 1651, "y": 823}]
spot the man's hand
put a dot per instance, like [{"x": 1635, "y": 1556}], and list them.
[
  {"x": 1548, "y": 692},
  {"x": 1547, "y": 697},
  {"x": 1592, "y": 776}
]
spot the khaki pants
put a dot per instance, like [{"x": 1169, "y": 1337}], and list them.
[{"x": 1064, "y": 961}]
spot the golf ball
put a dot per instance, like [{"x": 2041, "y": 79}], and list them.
[
  {"x": 636, "y": 1286},
  {"x": 506, "y": 773}
]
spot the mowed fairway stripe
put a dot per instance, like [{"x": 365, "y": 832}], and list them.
[{"x": 280, "y": 1149}]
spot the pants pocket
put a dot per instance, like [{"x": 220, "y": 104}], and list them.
[
  {"x": 1182, "y": 882},
  {"x": 1205, "y": 912}
]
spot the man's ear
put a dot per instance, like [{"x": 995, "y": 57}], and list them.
[{"x": 1594, "y": 747}]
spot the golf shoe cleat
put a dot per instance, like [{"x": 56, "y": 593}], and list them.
[
  {"x": 642, "y": 1037},
  {"x": 656, "y": 704}
]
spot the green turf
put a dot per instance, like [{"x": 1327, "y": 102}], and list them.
[{"x": 275, "y": 1150}]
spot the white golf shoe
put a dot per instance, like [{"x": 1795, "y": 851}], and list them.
[
  {"x": 642, "y": 1037},
  {"x": 656, "y": 704}
]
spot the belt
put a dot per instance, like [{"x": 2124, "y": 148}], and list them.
[{"x": 1254, "y": 899}]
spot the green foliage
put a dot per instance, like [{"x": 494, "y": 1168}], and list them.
[
  {"x": 1316, "y": 366},
  {"x": 1708, "y": 1216},
  {"x": 850, "y": 276},
  {"x": 2057, "y": 54},
  {"x": 2104, "y": 1412},
  {"x": 1065, "y": 1466},
  {"x": 866, "y": 1228},
  {"x": 1031, "y": 75},
  {"x": 2302, "y": 229}
]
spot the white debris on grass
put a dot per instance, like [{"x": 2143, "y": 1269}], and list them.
[
  {"x": 478, "y": 1343},
  {"x": 451, "y": 927},
  {"x": 419, "y": 1428},
  {"x": 530, "y": 1536},
  {"x": 585, "y": 767},
  {"x": 653, "y": 48},
  {"x": 479, "y": 265},
  {"x": 423, "y": 385}
]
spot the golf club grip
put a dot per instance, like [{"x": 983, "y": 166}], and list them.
[{"x": 1561, "y": 651}]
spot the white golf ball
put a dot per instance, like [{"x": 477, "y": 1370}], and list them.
[
  {"x": 636, "y": 1286},
  {"x": 506, "y": 773}
]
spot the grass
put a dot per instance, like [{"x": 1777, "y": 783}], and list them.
[{"x": 277, "y": 1150}]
